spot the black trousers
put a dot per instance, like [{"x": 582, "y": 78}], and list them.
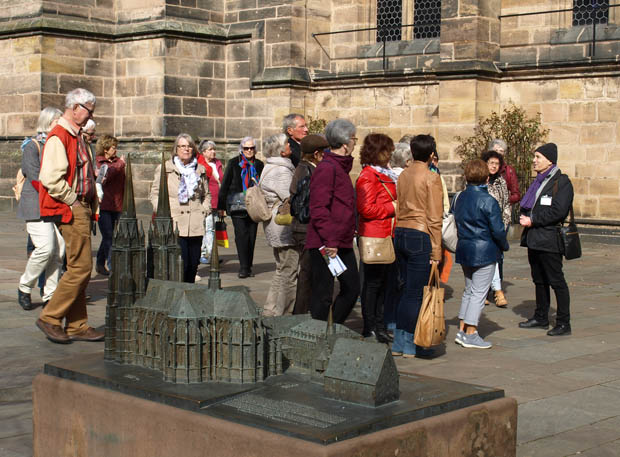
[
  {"x": 323, "y": 282},
  {"x": 547, "y": 272},
  {"x": 190, "y": 253},
  {"x": 245, "y": 239},
  {"x": 373, "y": 296}
]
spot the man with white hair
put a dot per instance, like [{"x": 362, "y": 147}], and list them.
[
  {"x": 68, "y": 198},
  {"x": 295, "y": 128}
]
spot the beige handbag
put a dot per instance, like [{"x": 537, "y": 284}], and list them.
[
  {"x": 378, "y": 250},
  {"x": 431, "y": 327}
]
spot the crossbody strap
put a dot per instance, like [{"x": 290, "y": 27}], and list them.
[{"x": 571, "y": 214}]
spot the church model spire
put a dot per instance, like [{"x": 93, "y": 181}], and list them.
[
  {"x": 164, "y": 252},
  {"x": 215, "y": 283},
  {"x": 127, "y": 281}
]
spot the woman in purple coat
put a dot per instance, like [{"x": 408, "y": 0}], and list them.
[{"x": 332, "y": 224}]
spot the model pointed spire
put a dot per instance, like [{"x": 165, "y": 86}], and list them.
[
  {"x": 129, "y": 204},
  {"x": 163, "y": 202},
  {"x": 331, "y": 328},
  {"x": 215, "y": 282}
]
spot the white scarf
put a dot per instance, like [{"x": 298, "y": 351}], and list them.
[{"x": 189, "y": 179}]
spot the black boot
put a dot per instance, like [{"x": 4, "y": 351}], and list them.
[{"x": 24, "y": 300}]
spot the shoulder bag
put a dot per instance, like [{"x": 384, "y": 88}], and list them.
[
  {"x": 378, "y": 250},
  {"x": 569, "y": 236},
  {"x": 431, "y": 327},
  {"x": 449, "y": 235},
  {"x": 235, "y": 205},
  {"x": 255, "y": 203}
]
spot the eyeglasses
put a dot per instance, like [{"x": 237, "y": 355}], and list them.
[
  {"x": 91, "y": 112},
  {"x": 183, "y": 146},
  {"x": 249, "y": 148}
]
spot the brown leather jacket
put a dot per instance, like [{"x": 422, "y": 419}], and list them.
[{"x": 420, "y": 203}]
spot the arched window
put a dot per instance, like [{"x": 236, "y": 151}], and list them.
[{"x": 586, "y": 12}]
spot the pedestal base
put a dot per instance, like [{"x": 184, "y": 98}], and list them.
[{"x": 77, "y": 419}]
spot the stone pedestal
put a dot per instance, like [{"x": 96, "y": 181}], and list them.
[{"x": 76, "y": 419}]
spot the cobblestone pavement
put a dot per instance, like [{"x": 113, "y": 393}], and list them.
[{"x": 568, "y": 388}]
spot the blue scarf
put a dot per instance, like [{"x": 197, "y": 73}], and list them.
[
  {"x": 248, "y": 172},
  {"x": 40, "y": 137},
  {"x": 529, "y": 199}
]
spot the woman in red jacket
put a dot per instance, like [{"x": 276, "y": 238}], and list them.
[{"x": 376, "y": 207}]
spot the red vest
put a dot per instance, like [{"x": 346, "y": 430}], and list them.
[{"x": 49, "y": 206}]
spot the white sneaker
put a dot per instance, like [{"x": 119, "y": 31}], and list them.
[
  {"x": 198, "y": 278},
  {"x": 458, "y": 339},
  {"x": 474, "y": 341}
]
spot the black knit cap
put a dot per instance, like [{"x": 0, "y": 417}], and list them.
[
  {"x": 311, "y": 143},
  {"x": 550, "y": 151}
]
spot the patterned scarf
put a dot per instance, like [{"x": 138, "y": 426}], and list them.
[
  {"x": 189, "y": 179},
  {"x": 386, "y": 171},
  {"x": 529, "y": 199},
  {"x": 248, "y": 172}
]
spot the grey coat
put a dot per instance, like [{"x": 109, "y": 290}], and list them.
[
  {"x": 28, "y": 208},
  {"x": 275, "y": 181}
]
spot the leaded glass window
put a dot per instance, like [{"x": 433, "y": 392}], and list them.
[
  {"x": 426, "y": 18},
  {"x": 586, "y": 12},
  {"x": 389, "y": 20}
]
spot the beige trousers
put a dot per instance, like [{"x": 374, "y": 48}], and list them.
[
  {"x": 281, "y": 296},
  {"x": 69, "y": 299}
]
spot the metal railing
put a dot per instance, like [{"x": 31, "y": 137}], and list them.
[
  {"x": 577, "y": 9},
  {"x": 383, "y": 37}
]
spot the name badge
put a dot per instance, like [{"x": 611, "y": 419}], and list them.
[{"x": 545, "y": 200}]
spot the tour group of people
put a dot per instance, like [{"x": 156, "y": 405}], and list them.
[{"x": 317, "y": 215}]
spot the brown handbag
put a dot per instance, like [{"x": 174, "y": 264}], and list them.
[
  {"x": 378, "y": 250},
  {"x": 431, "y": 327}
]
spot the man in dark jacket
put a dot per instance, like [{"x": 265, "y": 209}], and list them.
[
  {"x": 544, "y": 207},
  {"x": 294, "y": 126}
]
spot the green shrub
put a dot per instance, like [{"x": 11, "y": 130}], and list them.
[
  {"x": 521, "y": 133},
  {"x": 316, "y": 125}
]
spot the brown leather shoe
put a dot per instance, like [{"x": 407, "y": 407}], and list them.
[
  {"x": 53, "y": 333},
  {"x": 90, "y": 334},
  {"x": 500, "y": 299}
]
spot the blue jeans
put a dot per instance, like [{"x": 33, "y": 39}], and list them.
[
  {"x": 107, "y": 221},
  {"x": 413, "y": 253}
]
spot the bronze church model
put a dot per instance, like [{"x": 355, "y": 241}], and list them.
[{"x": 193, "y": 333}]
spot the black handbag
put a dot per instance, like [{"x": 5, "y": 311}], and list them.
[
  {"x": 235, "y": 204},
  {"x": 570, "y": 238}
]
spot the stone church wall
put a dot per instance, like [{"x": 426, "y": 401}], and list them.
[{"x": 224, "y": 69}]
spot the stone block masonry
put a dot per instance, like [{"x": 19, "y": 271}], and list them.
[{"x": 224, "y": 69}]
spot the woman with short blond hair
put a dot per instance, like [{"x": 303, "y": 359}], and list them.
[{"x": 190, "y": 200}]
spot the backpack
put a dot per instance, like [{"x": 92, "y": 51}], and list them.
[
  {"x": 20, "y": 179},
  {"x": 300, "y": 202}
]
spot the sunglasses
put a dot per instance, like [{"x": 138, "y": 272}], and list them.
[{"x": 249, "y": 148}]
